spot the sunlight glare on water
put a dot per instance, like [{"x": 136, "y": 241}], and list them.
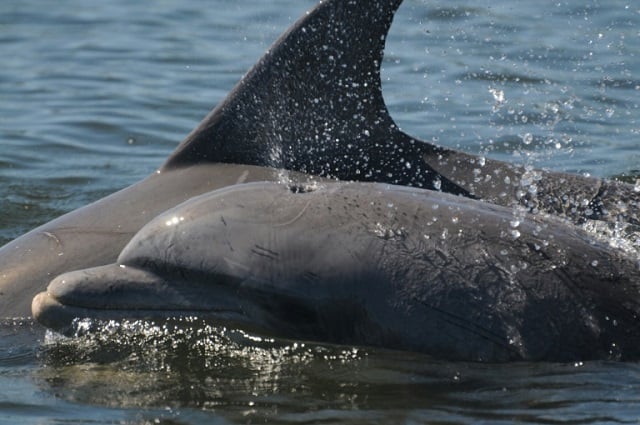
[{"x": 240, "y": 376}]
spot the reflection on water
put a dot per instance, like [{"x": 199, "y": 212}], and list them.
[{"x": 188, "y": 365}]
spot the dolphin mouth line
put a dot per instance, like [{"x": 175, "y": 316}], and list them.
[{"x": 59, "y": 316}]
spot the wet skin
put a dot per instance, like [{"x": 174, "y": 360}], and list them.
[
  {"x": 370, "y": 264},
  {"x": 329, "y": 121}
]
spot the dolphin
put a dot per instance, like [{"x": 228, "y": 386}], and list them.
[
  {"x": 311, "y": 106},
  {"x": 370, "y": 264}
]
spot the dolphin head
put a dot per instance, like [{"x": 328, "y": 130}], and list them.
[
  {"x": 243, "y": 255},
  {"x": 312, "y": 104}
]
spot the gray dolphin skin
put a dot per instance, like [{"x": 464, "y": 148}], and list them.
[
  {"x": 371, "y": 264},
  {"x": 312, "y": 109}
]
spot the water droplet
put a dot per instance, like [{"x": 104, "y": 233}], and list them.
[{"x": 174, "y": 220}]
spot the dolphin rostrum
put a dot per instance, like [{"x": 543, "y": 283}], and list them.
[{"x": 312, "y": 105}]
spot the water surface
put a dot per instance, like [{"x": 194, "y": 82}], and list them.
[{"x": 94, "y": 96}]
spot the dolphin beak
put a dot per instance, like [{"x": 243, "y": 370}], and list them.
[
  {"x": 116, "y": 291},
  {"x": 51, "y": 313},
  {"x": 97, "y": 292}
]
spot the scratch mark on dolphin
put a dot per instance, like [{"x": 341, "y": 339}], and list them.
[
  {"x": 243, "y": 177},
  {"x": 54, "y": 237},
  {"x": 296, "y": 218},
  {"x": 264, "y": 252},
  {"x": 474, "y": 328}
]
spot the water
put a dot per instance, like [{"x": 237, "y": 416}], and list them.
[{"x": 94, "y": 96}]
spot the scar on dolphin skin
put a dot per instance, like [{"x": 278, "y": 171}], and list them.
[
  {"x": 296, "y": 218},
  {"x": 54, "y": 237}
]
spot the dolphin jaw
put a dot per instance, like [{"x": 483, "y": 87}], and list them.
[
  {"x": 123, "y": 292},
  {"x": 54, "y": 315}
]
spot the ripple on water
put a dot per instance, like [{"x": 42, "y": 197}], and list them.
[
  {"x": 78, "y": 86},
  {"x": 240, "y": 375}
]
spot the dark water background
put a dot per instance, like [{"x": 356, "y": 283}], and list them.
[{"x": 94, "y": 96}]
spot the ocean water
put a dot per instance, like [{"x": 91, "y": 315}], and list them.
[{"x": 95, "y": 95}]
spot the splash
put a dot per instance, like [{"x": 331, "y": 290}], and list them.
[
  {"x": 618, "y": 235},
  {"x": 185, "y": 362},
  {"x": 182, "y": 342}
]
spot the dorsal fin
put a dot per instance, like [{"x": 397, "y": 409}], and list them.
[{"x": 314, "y": 104}]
